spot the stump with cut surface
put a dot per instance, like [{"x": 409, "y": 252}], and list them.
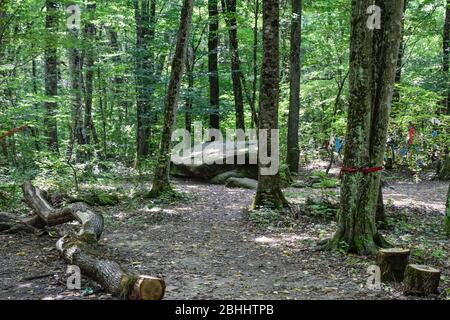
[
  {"x": 82, "y": 249},
  {"x": 421, "y": 280},
  {"x": 392, "y": 263}
]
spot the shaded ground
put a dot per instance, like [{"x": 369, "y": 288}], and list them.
[{"x": 207, "y": 248}]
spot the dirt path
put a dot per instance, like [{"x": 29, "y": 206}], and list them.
[{"x": 206, "y": 248}]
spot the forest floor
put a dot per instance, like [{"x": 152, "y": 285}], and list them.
[{"x": 207, "y": 247}]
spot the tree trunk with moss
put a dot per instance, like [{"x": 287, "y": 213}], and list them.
[
  {"x": 373, "y": 62},
  {"x": 293, "y": 150},
  {"x": 161, "y": 178},
  {"x": 269, "y": 192}
]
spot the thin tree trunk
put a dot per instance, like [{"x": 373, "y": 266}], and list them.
[
  {"x": 161, "y": 178},
  {"x": 190, "y": 76},
  {"x": 447, "y": 214},
  {"x": 293, "y": 150},
  {"x": 34, "y": 130},
  {"x": 373, "y": 62},
  {"x": 229, "y": 7},
  {"x": 90, "y": 31},
  {"x": 78, "y": 124},
  {"x": 51, "y": 76},
  {"x": 269, "y": 192},
  {"x": 446, "y": 59},
  {"x": 213, "y": 69},
  {"x": 145, "y": 16},
  {"x": 255, "y": 65}
]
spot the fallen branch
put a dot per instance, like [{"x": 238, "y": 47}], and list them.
[{"x": 82, "y": 249}]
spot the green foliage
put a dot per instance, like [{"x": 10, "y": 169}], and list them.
[{"x": 264, "y": 218}]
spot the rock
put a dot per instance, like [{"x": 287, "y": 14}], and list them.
[
  {"x": 215, "y": 158},
  {"x": 242, "y": 183},
  {"x": 223, "y": 177}
]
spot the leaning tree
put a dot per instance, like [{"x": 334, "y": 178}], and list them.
[
  {"x": 373, "y": 64},
  {"x": 161, "y": 178}
]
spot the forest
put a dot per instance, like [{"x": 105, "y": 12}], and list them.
[{"x": 224, "y": 150}]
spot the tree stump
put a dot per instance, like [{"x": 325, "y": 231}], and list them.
[
  {"x": 421, "y": 280},
  {"x": 392, "y": 263}
]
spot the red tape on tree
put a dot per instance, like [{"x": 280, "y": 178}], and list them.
[{"x": 365, "y": 170}]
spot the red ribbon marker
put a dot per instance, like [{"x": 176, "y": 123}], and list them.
[{"x": 365, "y": 170}]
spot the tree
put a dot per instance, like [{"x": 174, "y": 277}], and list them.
[
  {"x": 213, "y": 70},
  {"x": 446, "y": 59},
  {"x": 293, "y": 150},
  {"x": 89, "y": 34},
  {"x": 161, "y": 181},
  {"x": 229, "y": 7},
  {"x": 269, "y": 192},
  {"x": 447, "y": 213},
  {"x": 51, "y": 75},
  {"x": 373, "y": 65},
  {"x": 78, "y": 135},
  {"x": 145, "y": 16}
]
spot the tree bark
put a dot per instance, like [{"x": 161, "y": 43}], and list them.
[
  {"x": 51, "y": 76},
  {"x": 229, "y": 6},
  {"x": 446, "y": 59},
  {"x": 255, "y": 66},
  {"x": 76, "y": 79},
  {"x": 161, "y": 177},
  {"x": 421, "y": 280},
  {"x": 82, "y": 249},
  {"x": 145, "y": 16},
  {"x": 213, "y": 69},
  {"x": 373, "y": 62},
  {"x": 447, "y": 214},
  {"x": 89, "y": 34},
  {"x": 269, "y": 192},
  {"x": 293, "y": 150},
  {"x": 392, "y": 263}
]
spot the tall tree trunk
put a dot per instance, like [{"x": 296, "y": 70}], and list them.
[
  {"x": 213, "y": 69},
  {"x": 161, "y": 178},
  {"x": 255, "y": 65},
  {"x": 89, "y": 34},
  {"x": 446, "y": 59},
  {"x": 76, "y": 79},
  {"x": 269, "y": 192},
  {"x": 447, "y": 214},
  {"x": 373, "y": 62},
  {"x": 145, "y": 15},
  {"x": 293, "y": 150},
  {"x": 229, "y": 7},
  {"x": 34, "y": 130},
  {"x": 51, "y": 76},
  {"x": 190, "y": 59}
]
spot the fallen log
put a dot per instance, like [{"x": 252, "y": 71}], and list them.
[
  {"x": 421, "y": 280},
  {"x": 82, "y": 249},
  {"x": 9, "y": 224},
  {"x": 392, "y": 263},
  {"x": 242, "y": 183}
]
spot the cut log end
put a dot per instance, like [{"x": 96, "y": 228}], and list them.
[
  {"x": 147, "y": 288},
  {"x": 421, "y": 280},
  {"x": 392, "y": 263}
]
